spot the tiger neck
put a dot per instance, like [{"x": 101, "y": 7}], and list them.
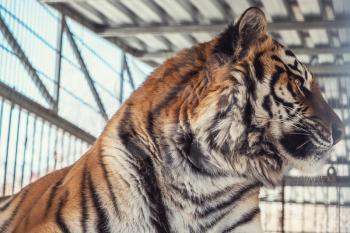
[
  {"x": 213, "y": 204},
  {"x": 203, "y": 194}
]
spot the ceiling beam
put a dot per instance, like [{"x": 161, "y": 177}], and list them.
[
  {"x": 304, "y": 202},
  {"x": 123, "y": 31},
  {"x": 320, "y": 181},
  {"x": 329, "y": 69},
  {"x": 85, "y": 71},
  {"x": 62, "y": 1},
  {"x": 322, "y": 70},
  {"x": 305, "y": 51},
  {"x": 73, "y": 14},
  {"x": 322, "y": 50}
]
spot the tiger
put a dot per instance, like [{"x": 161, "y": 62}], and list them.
[{"x": 191, "y": 148}]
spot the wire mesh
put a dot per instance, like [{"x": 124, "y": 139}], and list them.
[{"x": 29, "y": 145}]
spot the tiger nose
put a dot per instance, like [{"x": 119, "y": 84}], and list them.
[{"x": 338, "y": 131}]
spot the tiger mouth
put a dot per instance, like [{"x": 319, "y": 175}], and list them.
[{"x": 301, "y": 145}]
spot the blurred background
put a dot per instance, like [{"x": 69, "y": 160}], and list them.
[{"x": 67, "y": 65}]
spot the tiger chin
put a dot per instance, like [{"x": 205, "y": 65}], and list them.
[{"x": 191, "y": 147}]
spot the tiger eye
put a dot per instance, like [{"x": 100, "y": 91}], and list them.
[{"x": 297, "y": 83}]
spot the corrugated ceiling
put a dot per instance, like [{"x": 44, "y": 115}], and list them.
[{"x": 153, "y": 47}]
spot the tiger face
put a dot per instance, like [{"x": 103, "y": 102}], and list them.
[
  {"x": 301, "y": 125},
  {"x": 266, "y": 110}
]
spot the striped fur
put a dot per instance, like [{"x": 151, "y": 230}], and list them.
[{"x": 190, "y": 149}]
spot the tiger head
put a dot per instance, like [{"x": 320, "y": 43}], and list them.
[{"x": 263, "y": 110}]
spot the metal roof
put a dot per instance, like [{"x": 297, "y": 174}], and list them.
[{"x": 317, "y": 30}]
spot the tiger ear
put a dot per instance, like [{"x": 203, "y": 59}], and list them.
[
  {"x": 237, "y": 38},
  {"x": 252, "y": 24}
]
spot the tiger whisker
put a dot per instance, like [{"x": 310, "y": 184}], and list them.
[
  {"x": 296, "y": 125},
  {"x": 307, "y": 141}
]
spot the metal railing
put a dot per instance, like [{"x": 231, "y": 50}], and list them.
[
  {"x": 34, "y": 141},
  {"x": 48, "y": 110}
]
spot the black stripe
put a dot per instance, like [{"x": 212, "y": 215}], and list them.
[
  {"x": 271, "y": 152},
  {"x": 205, "y": 227},
  {"x": 295, "y": 66},
  {"x": 59, "y": 217},
  {"x": 225, "y": 105},
  {"x": 230, "y": 201},
  {"x": 224, "y": 148},
  {"x": 188, "y": 148},
  {"x": 267, "y": 105},
  {"x": 174, "y": 91},
  {"x": 177, "y": 204},
  {"x": 102, "y": 215},
  {"x": 259, "y": 67},
  {"x": 248, "y": 110},
  {"x": 151, "y": 133},
  {"x": 52, "y": 196},
  {"x": 290, "y": 89},
  {"x": 263, "y": 173},
  {"x": 4, "y": 199},
  {"x": 6, "y": 223},
  {"x": 249, "y": 82},
  {"x": 199, "y": 200},
  {"x": 110, "y": 188},
  {"x": 274, "y": 79},
  {"x": 227, "y": 41},
  {"x": 145, "y": 168},
  {"x": 243, "y": 220},
  {"x": 306, "y": 92},
  {"x": 290, "y": 53},
  {"x": 247, "y": 114},
  {"x": 276, "y": 58},
  {"x": 83, "y": 201},
  {"x": 288, "y": 67},
  {"x": 191, "y": 152},
  {"x": 306, "y": 74}
]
